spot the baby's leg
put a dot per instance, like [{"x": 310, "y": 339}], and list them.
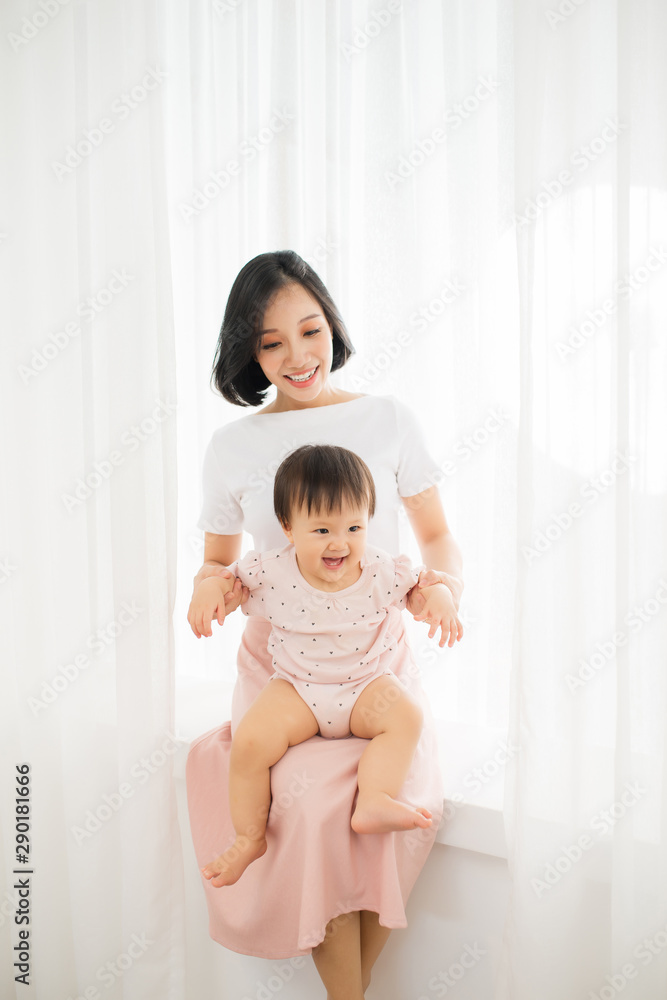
[
  {"x": 387, "y": 715},
  {"x": 277, "y": 719}
]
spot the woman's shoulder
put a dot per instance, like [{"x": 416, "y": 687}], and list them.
[
  {"x": 255, "y": 432},
  {"x": 388, "y": 404},
  {"x": 240, "y": 437},
  {"x": 232, "y": 427}
]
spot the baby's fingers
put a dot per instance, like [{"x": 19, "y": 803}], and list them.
[
  {"x": 206, "y": 620},
  {"x": 195, "y": 629},
  {"x": 455, "y": 631},
  {"x": 445, "y": 633},
  {"x": 192, "y": 621}
]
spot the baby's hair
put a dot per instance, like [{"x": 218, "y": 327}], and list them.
[
  {"x": 237, "y": 374},
  {"x": 322, "y": 477}
]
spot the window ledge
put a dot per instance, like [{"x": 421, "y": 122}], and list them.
[{"x": 472, "y": 761}]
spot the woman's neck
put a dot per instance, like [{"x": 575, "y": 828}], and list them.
[{"x": 328, "y": 396}]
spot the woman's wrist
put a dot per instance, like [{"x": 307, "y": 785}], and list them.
[{"x": 453, "y": 583}]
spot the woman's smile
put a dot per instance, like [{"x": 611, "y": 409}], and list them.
[{"x": 305, "y": 378}]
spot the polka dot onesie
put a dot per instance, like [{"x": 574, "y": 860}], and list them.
[{"x": 329, "y": 645}]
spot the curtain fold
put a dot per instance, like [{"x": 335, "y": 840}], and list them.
[
  {"x": 89, "y": 503},
  {"x": 585, "y": 797}
]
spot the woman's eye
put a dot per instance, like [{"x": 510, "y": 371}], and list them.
[
  {"x": 311, "y": 333},
  {"x": 268, "y": 347}
]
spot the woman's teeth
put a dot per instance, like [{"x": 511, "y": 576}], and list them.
[{"x": 302, "y": 378}]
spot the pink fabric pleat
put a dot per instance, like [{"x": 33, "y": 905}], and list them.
[{"x": 315, "y": 868}]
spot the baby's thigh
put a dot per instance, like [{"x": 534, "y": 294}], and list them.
[
  {"x": 385, "y": 705},
  {"x": 277, "y": 719}
]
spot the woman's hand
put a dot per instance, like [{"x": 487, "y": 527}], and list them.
[
  {"x": 429, "y": 577},
  {"x": 432, "y": 602}
]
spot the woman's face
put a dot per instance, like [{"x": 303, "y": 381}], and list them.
[{"x": 296, "y": 347}]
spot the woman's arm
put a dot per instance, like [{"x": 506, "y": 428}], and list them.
[{"x": 436, "y": 543}]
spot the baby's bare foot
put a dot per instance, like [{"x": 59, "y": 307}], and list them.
[
  {"x": 228, "y": 868},
  {"x": 382, "y": 814}
]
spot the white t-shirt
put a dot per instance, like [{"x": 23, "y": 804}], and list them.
[{"x": 242, "y": 458}]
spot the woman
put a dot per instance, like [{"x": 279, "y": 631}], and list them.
[{"x": 319, "y": 887}]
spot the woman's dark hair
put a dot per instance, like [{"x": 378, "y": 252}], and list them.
[
  {"x": 236, "y": 373},
  {"x": 321, "y": 477}
]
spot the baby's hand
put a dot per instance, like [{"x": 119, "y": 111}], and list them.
[
  {"x": 209, "y": 602},
  {"x": 438, "y": 609}
]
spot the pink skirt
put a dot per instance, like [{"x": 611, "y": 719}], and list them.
[{"x": 315, "y": 867}]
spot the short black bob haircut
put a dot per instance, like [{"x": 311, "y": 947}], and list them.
[
  {"x": 236, "y": 373},
  {"x": 321, "y": 477}
]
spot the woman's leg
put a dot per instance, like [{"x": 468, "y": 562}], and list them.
[
  {"x": 387, "y": 715},
  {"x": 277, "y": 719},
  {"x": 373, "y": 939},
  {"x": 349, "y": 951},
  {"x": 338, "y": 958}
]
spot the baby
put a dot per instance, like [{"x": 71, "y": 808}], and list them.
[{"x": 334, "y": 604}]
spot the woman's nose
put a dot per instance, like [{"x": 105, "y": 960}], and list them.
[{"x": 297, "y": 354}]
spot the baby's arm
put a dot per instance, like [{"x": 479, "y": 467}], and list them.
[
  {"x": 434, "y": 603},
  {"x": 208, "y": 602}
]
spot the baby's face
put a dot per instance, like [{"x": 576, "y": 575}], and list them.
[{"x": 329, "y": 546}]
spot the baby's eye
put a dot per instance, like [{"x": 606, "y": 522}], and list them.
[
  {"x": 321, "y": 531},
  {"x": 355, "y": 527}
]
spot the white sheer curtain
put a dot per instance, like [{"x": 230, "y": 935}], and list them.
[
  {"x": 586, "y": 802},
  {"x": 88, "y": 506},
  {"x": 482, "y": 188}
]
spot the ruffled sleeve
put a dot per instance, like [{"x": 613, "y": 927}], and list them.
[
  {"x": 405, "y": 577},
  {"x": 248, "y": 569}
]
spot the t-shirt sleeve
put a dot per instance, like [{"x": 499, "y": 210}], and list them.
[
  {"x": 221, "y": 513},
  {"x": 405, "y": 577},
  {"x": 417, "y": 469}
]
